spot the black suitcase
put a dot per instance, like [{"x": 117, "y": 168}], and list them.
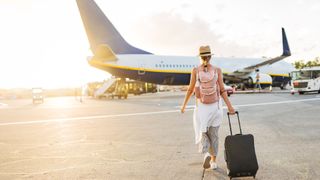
[{"x": 240, "y": 154}]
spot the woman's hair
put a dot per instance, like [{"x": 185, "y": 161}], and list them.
[{"x": 202, "y": 59}]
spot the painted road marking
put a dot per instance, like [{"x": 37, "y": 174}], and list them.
[
  {"x": 143, "y": 113},
  {"x": 264, "y": 104},
  {"x": 85, "y": 118}
]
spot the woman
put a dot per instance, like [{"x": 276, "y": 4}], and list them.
[{"x": 207, "y": 116}]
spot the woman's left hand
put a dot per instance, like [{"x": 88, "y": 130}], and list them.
[{"x": 231, "y": 110}]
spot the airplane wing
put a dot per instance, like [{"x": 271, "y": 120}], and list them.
[{"x": 249, "y": 69}]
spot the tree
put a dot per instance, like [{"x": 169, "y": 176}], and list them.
[{"x": 299, "y": 64}]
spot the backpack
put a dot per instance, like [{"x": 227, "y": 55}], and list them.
[{"x": 207, "y": 88}]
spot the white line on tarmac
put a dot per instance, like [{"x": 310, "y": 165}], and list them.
[
  {"x": 85, "y": 118},
  {"x": 144, "y": 113},
  {"x": 266, "y": 103}
]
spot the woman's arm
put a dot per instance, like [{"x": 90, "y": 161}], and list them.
[
  {"x": 190, "y": 89},
  {"x": 223, "y": 92}
]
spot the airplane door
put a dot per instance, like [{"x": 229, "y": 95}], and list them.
[{"x": 141, "y": 70}]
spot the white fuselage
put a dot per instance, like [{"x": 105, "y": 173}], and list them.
[{"x": 176, "y": 69}]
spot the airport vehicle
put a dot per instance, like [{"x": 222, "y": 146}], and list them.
[
  {"x": 112, "y": 53},
  {"x": 245, "y": 164},
  {"x": 111, "y": 88},
  {"x": 114, "y": 87},
  {"x": 306, "y": 80},
  {"x": 139, "y": 87},
  {"x": 37, "y": 95},
  {"x": 229, "y": 89},
  {"x": 120, "y": 90}
]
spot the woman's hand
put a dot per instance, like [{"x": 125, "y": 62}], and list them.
[{"x": 231, "y": 110}]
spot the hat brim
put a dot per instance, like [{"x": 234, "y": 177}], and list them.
[{"x": 206, "y": 54}]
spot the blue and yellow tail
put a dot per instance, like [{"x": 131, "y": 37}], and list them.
[
  {"x": 100, "y": 30},
  {"x": 286, "y": 49}
]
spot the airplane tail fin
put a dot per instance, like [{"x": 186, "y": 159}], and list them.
[
  {"x": 286, "y": 53},
  {"x": 286, "y": 49},
  {"x": 100, "y": 30}
]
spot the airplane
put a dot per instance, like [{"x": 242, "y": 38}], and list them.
[{"x": 112, "y": 53}]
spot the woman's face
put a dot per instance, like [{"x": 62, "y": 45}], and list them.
[{"x": 205, "y": 59}]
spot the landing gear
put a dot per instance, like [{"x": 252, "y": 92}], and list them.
[
  {"x": 282, "y": 87},
  {"x": 242, "y": 86}
]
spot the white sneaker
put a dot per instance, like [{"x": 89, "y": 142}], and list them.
[
  {"x": 213, "y": 165},
  {"x": 206, "y": 161}
]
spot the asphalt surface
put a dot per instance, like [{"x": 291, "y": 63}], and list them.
[{"x": 145, "y": 137}]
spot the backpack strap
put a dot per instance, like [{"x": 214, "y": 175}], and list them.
[
  {"x": 198, "y": 77},
  {"x": 217, "y": 85}
]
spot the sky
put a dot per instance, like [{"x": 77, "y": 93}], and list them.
[{"x": 43, "y": 42}]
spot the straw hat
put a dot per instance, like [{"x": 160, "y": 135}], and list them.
[{"x": 205, "y": 51}]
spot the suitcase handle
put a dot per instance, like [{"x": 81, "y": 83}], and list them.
[{"x": 230, "y": 122}]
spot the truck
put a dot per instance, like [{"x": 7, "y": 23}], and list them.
[
  {"x": 37, "y": 95},
  {"x": 306, "y": 80}
]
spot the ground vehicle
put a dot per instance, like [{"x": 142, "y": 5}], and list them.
[
  {"x": 138, "y": 87},
  {"x": 306, "y": 80},
  {"x": 117, "y": 89},
  {"x": 229, "y": 89},
  {"x": 37, "y": 95},
  {"x": 121, "y": 89}
]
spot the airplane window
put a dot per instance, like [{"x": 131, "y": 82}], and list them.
[
  {"x": 173, "y": 66},
  {"x": 156, "y": 65},
  {"x": 170, "y": 65},
  {"x": 167, "y": 65}
]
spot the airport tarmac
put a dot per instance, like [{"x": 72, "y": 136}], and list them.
[{"x": 146, "y": 137}]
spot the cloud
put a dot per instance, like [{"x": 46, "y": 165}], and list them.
[{"x": 168, "y": 33}]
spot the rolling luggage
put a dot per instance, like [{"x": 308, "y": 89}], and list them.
[{"x": 240, "y": 154}]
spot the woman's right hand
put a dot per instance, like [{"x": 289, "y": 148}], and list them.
[{"x": 231, "y": 110}]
